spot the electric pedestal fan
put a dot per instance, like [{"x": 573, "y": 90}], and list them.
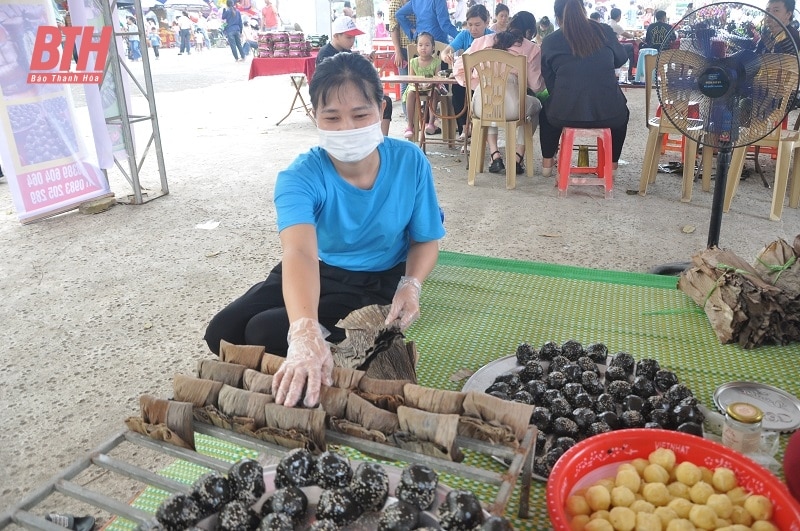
[{"x": 737, "y": 66}]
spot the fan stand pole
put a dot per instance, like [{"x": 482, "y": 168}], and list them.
[{"x": 723, "y": 162}]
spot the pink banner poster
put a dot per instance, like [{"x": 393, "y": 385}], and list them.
[{"x": 42, "y": 152}]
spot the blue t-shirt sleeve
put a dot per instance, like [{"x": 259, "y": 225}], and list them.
[
  {"x": 460, "y": 42},
  {"x": 444, "y": 19},
  {"x": 299, "y": 192},
  {"x": 402, "y": 18}
]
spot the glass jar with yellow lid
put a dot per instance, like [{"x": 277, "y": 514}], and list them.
[{"x": 742, "y": 430}]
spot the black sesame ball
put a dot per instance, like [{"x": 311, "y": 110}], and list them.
[
  {"x": 211, "y": 491},
  {"x": 370, "y": 486},
  {"x": 615, "y": 373},
  {"x": 560, "y": 407},
  {"x": 624, "y": 360},
  {"x": 572, "y": 350},
  {"x": 553, "y": 455},
  {"x": 653, "y": 402},
  {"x": 498, "y": 394},
  {"x": 246, "y": 477},
  {"x": 531, "y": 371},
  {"x": 536, "y": 388},
  {"x": 526, "y": 354},
  {"x": 583, "y": 417},
  {"x": 687, "y": 413},
  {"x": 417, "y": 486},
  {"x": 631, "y": 419},
  {"x": 399, "y": 516},
  {"x": 498, "y": 387},
  {"x": 540, "y": 466},
  {"x": 460, "y": 511},
  {"x": 610, "y": 418},
  {"x": 643, "y": 387},
  {"x": 691, "y": 428},
  {"x": 295, "y": 468},
  {"x": 661, "y": 417},
  {"x": 496, "y": 523},
  {"x": 549, "y": 350},
  {"x": 178, "y": 512},
  {"x": 550, "y": 395},
  {"x": 605, "y": 402},
  {"x": 689, "y": 401},
  {"x": 511, "y": 378},
  {"x": 633, "y": 403},
  {"x": 564, "y": 443},
  {"x": 541, "y": 418},
  {"x": 647, "y": 367},
  {"x": 619, "y": 390},
  {"x": 653, "y": 426},
  {"x": 332, "y": 471},
  {"x": 563, "y": 426},
  {"x": 664, "y": 379},
  {"x": 523, "y": 397},
  {"x": 597, "y": 352},
  {"x": 571, "y": 390},
  {"x": 339, "y": 506},
  {"x": 541, "y": 441},
  {"x": 591, "y": 382},
  {"x": 556, "y": 380},
  {"x": 676, "y": 393},
  {"x": 583, "y": 400},
  {"x": 573, "y": 372},
  {"x": 587, "y": 364},
  {"x": 558, "y": 363},
  {"x": 237, "y": 516},
  {"x": 290, "y": 501},
  {"x": 276, "y": 522},
  {"x": 597, "y": 428}
]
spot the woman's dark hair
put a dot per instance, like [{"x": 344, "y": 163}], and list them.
[
  {"x": 584, "y": 36},
  {"x": 544, "y": 22},
  {"x": 342, "y": 68},
  {"x": 521, "y": 26},
  {"x": 229, "y": 3},
  {"x": 428, "y": 35},
  {"x": 478, "y": 10},
  {"x": 499, "y": 8}
]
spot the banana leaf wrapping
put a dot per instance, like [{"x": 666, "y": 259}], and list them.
[
  {"x": 433, "y": 400},
  {"x": 361, "y": 327},
  {"x": 247, "y": 355},
  {"x": 386, "y": 394},
  {"x": 494, "y": 420},
  {"x": 294, "y": 427},
  {"x": 240, "y": 403},
  {"x": 219, "y": 371},
  {"x": 363, "y": 420},
  {"x": 346, "y": 378},
  {"x": 427, "y": 433},
  {"x": 257, "y": 381},
  {"x": 334, "y": 400},
  {"x": 779, "y": 264},
  {"x": 164, "y": 420},
  {"x": 270, "y": 363},
  {"x": 197, "y": 391}
]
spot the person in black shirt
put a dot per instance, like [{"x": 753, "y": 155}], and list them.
[
  {"x": 658, "y": 32},
  {"x": 344, "y": 32}
]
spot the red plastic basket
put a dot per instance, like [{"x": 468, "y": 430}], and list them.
[{"x": 597, "y": 457}]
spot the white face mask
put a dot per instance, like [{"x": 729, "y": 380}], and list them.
[{"x": 351, "y": 145}]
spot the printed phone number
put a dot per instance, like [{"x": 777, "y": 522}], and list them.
[{"x": 56, "y": 183}]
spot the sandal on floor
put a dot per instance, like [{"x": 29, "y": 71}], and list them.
[
  {"x": 409, "y": 132},
  {"x": 547, "y": 172},
  {"x": 520, "y": 166},
  {"x": 76, "y": 523},
  {"x": 497, "y": 165},
  {"x": 433, "y": 130}
]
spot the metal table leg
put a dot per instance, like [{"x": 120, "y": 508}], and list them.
[{"x": 297, "y": 82}]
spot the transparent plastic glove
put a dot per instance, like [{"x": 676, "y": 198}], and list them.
[
  {"x": 308, "y": 364},
  {"x": 405, "y": 304}
]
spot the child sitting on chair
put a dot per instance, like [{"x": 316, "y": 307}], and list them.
[{"x": 425, "y": 64}]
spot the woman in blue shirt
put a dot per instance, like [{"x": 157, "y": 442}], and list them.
[
  {"x": 359, "y": 224},
  {"x": 477, "y": 26}
]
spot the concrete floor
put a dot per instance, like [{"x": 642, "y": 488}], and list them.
[{"x": 97, "y": 310}]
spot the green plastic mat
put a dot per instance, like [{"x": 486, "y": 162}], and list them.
[{"x": 477, "y": 309}]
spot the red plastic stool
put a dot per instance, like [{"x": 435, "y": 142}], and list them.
[
  {"x": 384, "y": 63},
  {"x": 670, "y": 144},
  {"x": 605, "y": 174}
]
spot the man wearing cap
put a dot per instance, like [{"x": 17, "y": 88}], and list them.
[{"x": 344, "y": 32}]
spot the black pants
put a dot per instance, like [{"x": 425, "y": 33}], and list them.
[
  {"x": 629, "y": 50},
  {"x": 259, "y": 316},
  {"x": 550, "y": 133},
  {"x": 459, "y": 100},
  {"x": 387, "y": 111}
]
